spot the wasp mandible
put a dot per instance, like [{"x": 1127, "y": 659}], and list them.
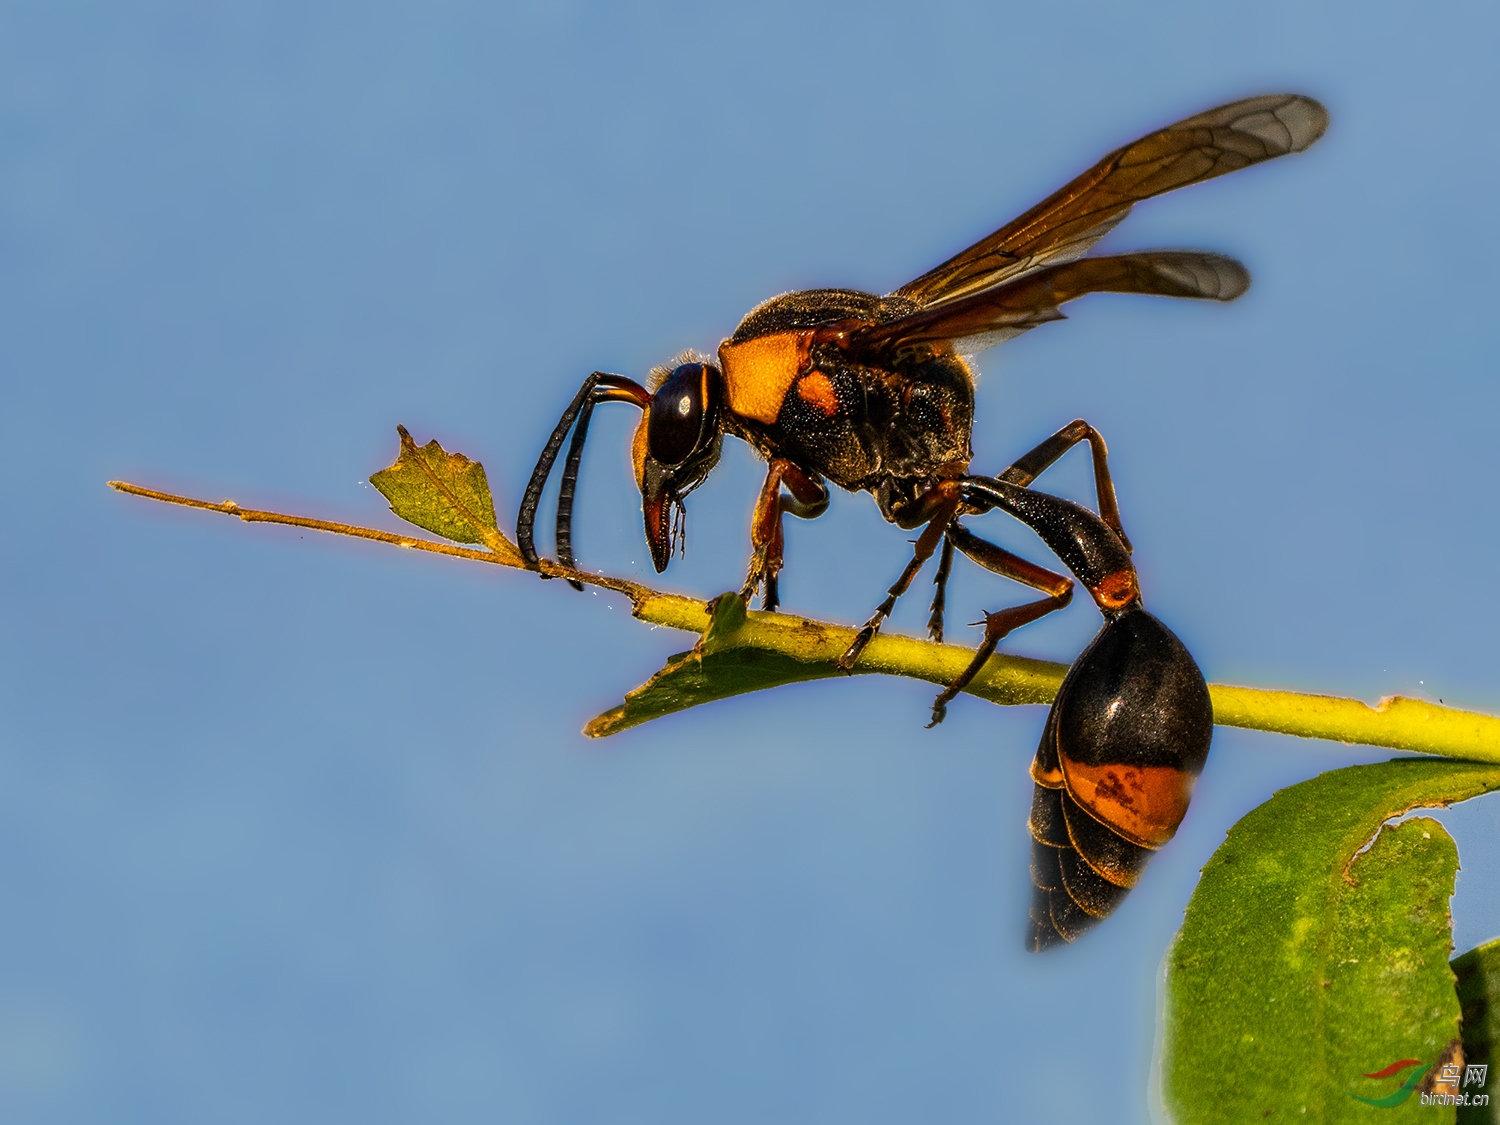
[{"x": 876, "y": 394}]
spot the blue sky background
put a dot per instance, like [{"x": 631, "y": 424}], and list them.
[{"x": 297, "y": 829}]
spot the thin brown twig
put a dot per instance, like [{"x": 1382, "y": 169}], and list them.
[{"x": 637, "y": 593}]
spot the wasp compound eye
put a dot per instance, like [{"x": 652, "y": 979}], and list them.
[{"x": 674, "y": 425}]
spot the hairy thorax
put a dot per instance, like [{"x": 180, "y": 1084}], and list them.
[{"x": 886, "y": 430}]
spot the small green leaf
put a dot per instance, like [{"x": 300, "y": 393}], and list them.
[
  {"x": 445, "y": 493},
  {"x": 726, "y": 619},
  {"x": 1478, "y": 973},
  {"x": 1315, "y": 951},
  {"x": 716, "y": 668},
  {"x": 740, "y": 652}
]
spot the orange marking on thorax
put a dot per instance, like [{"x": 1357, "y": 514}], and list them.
[
  {"x": 1144, "y": 804},
  {"x": 816, "y": 389},
  {"x": 758, "y": 373},
  {"x": 1117, "y": 589}
]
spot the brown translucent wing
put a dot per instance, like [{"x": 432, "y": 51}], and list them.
[
  {"x": 974, "y": 323},
  {"x": 1065, "y": 224}
]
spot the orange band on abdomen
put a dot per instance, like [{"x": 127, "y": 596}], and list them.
[{"x": 1144, "y": 804}]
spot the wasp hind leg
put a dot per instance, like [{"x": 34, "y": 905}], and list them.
[
  {"x": 996, "y": 627},
  {"x": 808, "y": 499},
  {"x": 1059, "y": 591},
  {"x": 1031, "y": 465}
]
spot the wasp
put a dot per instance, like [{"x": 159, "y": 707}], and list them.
[
  {"x": 876, "y": 394},
  {"x": 1128, "y": 732}
]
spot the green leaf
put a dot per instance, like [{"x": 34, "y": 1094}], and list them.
[
  {"x": 716, "y": 668},
  {"x": 445, "y": 493},
  {"x": 1315, "y": 951},
  {"x": 1478, "y": 973},
  {"x": 741, "y": 652}
]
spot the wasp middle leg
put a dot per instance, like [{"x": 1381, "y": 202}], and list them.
[
  {"x": 940, "y": 591},
  {"x": 945, "y": 501},
  {"x": 1057, "y": 587},
  {"x": 937, "y": 508},
  {"x": 1023, "y": 471}
]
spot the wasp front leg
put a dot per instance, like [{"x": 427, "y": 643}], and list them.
[{"x": 808, "y": 499}]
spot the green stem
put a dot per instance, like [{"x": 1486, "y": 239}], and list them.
[
  {"x": 803, "y": 650},
  {"x": 739, "y": 652}
]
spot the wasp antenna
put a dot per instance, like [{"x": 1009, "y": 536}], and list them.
[
  {"x": 568, "y": 490},
  {"x": 526, "y": 518},
  {"x": 598, "y": 387}
]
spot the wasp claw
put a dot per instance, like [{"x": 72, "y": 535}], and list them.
[
  {"x": 851, "y": 654},
  {"x": 770, "y": 595}
]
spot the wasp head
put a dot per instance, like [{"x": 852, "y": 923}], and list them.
[{"x": 676, "y": 444}]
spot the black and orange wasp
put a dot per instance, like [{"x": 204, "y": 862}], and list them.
[{"x": 876, "y": 394}]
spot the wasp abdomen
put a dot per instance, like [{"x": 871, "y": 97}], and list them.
[{"x": 1126, "y": 738}]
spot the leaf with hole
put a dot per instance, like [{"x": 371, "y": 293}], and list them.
[{"x": 1314, "y": 951}]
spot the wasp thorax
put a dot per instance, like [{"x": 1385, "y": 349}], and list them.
[{"x": 680, "y": 420}]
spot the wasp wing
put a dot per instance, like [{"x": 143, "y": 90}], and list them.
[
  {"x": 1065, "y": 224},
  {"x": 971, "y": 324}
]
